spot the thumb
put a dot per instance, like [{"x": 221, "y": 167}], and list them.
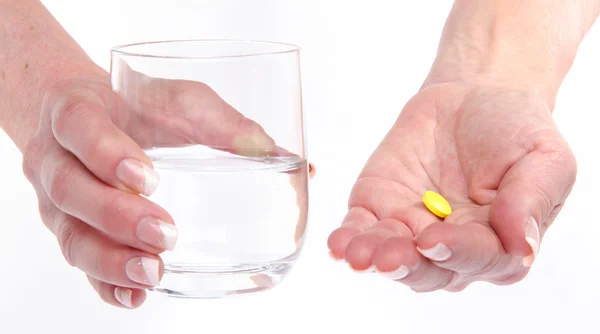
[
  {"x": 182, "y": 112},
  {"x": 530, "y": 196}
]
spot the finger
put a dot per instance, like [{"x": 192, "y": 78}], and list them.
[
  {"x": 362, "y": 246},
  {"x": 299, "y": 181},
  {"x": 118, "y": 296},
  {"x": 80, "y": 122},
  {"x": 191, "y": 112},
  {"x": 103, "y": 259},
  {"x": 389, "y": 199},
  {"x": 388, "y": 248},
  {"x": 356, "y": 220},
  {"x": 529, "y": 197},
  {"x": 510, "y": 278},
  {"x": 471, "y": 249},
  {"x": 125, "y": 218},
  {"x": 398, "y": 259}
]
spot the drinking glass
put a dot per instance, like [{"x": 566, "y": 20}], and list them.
[{"x": 222, "y": 122}]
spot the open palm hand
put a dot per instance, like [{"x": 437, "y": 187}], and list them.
[{"x": 494, "y": 153}]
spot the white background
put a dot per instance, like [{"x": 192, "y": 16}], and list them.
[{"x": 361, "y": 61}]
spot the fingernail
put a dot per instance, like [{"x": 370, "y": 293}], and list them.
[
  {"x": 397, "y": 274},
  {"x": 138, "y": 176},
  {"x": 532, "y": 236},
  {"x": 143, "y": 270},
  {"x": 440, "y": 252},
  {"x": 253, "y": 145},
  {"x": 124, "y": 296},
  {"x": 157, "y": 233}
]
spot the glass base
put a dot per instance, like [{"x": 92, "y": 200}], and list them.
[{"x": 217, "y": 282}]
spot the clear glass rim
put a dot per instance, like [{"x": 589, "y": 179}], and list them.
[{"x": 285, "y": 48}]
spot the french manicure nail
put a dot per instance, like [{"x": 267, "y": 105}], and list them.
[
  {"x": 253, "y": 144},
  {"x": 123, "y": 296},
  {"x": 397, "y": 274},
  {"x": 138, "y": 176},
  {"x": 157, "y": 233},
  {"x": 143, "y": 270},
  {"x": 532, "y": 236},
  {"x": 439, "y": 252}
]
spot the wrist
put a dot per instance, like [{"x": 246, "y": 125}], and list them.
[
  {"x": 527, "y": 45},
  {"x": 41, "y": 55},
  {"x": 50, "y": 77}
]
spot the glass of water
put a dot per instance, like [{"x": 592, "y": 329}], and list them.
[{"x": 222, "y": 122}]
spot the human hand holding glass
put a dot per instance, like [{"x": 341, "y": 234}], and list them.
[{"x": 89, "y": 166}]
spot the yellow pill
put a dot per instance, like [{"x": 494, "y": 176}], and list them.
[{"x": 437, "y": 204}]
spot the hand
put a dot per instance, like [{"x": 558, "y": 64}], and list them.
[
  {"x": 495, "y": 153},
  {"x": 88, "y": 169}
]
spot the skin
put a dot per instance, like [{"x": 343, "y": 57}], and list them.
[
  {"x": 74, "y": 133},
  {"x": 488, "y": 83},
  {"x": 443, "y": 142},
  {"x": 480, "y": 132}
]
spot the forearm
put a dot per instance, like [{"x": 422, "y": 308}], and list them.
[
  {"x": 35, "y": 53},
  {"x": 530, "y": 43}
]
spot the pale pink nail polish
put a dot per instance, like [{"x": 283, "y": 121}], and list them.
[
  {"x": 532, "y": 236},
  {"x": 439, "y": 252},
  {"x": 123, "y": 296},
  {"x": 138, "y": 176},
  {"x": 397, "y": 274},
  {"x": 143, "y": 270},
  {"x": 157, "y": 233}
]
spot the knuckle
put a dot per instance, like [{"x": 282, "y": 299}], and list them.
[
  {"x": 449, "y": 280},
  {"x": 67, "y": 233},
  {"x": 486, "y": 268},
  {"x": 47, "y": 212},
  {"x": 197, "y": 94},
  {"x": 62, "y": 111},
  {"x": 546, "y": 201},
  {"x": 31, "y": 159},
  {"x": 59, "y": 181},
  {"x": 484, "y": 264},
  {"x": 107, "y": 294},
  {"x": 571, "y": 165},
  {"x": 202, "y": 89},
  {"x": 545, "y": 224},
  {"x": 562, "y": 158},
  {"x": 68, "y": 110},
  {"x": 511, "y": 278},
  {"x": 427, "y": 284},
  {"x": 458, "y": 287},
  {"x": 93, "y": 282},
  {"x": 104, "y": 290},
  {"x": 190, "y": 88},
  {"x": 116, "y": 212},
  {"x": 101, "y": 265}
]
